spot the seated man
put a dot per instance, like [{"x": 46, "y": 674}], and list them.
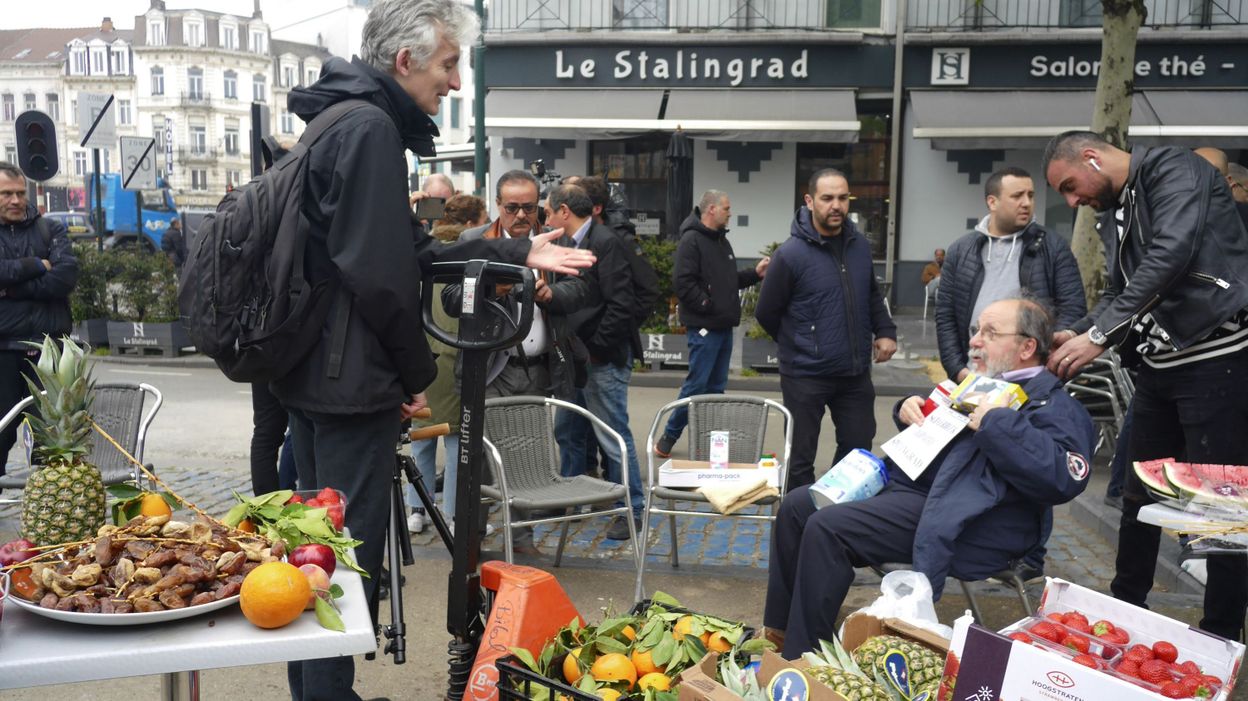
[{"x": 975, "y": 508}]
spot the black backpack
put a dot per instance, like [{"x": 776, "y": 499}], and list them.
[
  {"x": 243, "y": 295},
  {"x": 645, "y": 279}
]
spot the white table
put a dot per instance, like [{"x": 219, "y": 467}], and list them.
[
  {"x": 1177, "y": 520},
  {"x": 35, "y": 651}
]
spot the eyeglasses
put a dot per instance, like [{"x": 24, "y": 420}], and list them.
[
  {"x": 991, "y": 334},
  {"x": 512, "y": 207}
]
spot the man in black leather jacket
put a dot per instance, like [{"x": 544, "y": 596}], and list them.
[{"x": 1178, "y": 302}]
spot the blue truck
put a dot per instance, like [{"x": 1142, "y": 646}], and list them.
[{"x": 122, "y": 211}]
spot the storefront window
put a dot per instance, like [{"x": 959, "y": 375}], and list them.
[
  {"x": 639, "y": 167},
  {"x": 865, "y": 165}
]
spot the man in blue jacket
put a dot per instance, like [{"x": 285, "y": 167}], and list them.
[
  {"x": 821, "y": 303},
  {"x": 978, "y": 506}
]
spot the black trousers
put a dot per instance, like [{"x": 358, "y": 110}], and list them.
[
  {"x": 268, "y": 419},
  {"x": 851, "y": 400},
  {"x": 14, "y": 369},
  {"x": 354, "y": 453},
  {"x": 1195, "y": 413}
]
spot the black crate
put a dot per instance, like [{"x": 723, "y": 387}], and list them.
[
  {"x": 516, "y": 681},
  {"x": 641, "y": 606}
]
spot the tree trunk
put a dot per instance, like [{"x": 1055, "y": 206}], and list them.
[{"x": 1110, "y": 118}]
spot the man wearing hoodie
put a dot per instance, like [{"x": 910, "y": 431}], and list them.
[
  {"x": 821, "y": 303},
  {"x": 706, "y": 279},
  {"x": 1007, "y": 255},
  {"x": 347, "y": 398}
]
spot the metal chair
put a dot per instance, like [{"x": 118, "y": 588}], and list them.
[
  {"x": 930, "y": 292},
  {"x": 1016, "y": 575},
  {"x": 524, "y": 457},
  {"x": 1105, "y": 389},
  {"x": 118, "y": 409},
  {"x": 745, "y": 419}
]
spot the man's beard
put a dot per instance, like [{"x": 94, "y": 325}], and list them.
[{"x": 991, "y": 368}]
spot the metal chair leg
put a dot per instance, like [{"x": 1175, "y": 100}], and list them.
[
  {"x": 672, "y": 520},
  {"x": 563, "y": 538},
  {"x": 1021, "y": 587},
  {"x": 639, "y": 589},
  {"x": 970, "y": 599}
]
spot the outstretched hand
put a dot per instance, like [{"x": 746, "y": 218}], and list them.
[{"x": 548, "y": 255}]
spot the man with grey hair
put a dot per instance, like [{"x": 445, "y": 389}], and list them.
[
  {"x": 1237, "y": 176},
  {"x": 348, "y": 396},
  {"x": 707, "y": 280}
]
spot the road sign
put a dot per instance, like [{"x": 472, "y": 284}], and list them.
[
  {"x": 97, "y": 120},
  {"x": 138, "y": 163},
  {"x": 168, "y": 145}
]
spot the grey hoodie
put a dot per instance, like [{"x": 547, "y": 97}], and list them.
[{"x": 1000, "y": 256}]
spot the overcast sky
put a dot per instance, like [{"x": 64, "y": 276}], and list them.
[{"x": 18, "y": 14}]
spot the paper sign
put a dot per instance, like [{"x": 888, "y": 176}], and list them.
[{"x": 916, "y": 447}]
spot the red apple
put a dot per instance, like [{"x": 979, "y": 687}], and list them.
[
  {"x": 16, "y": 551},
  {"x": 314, "y": 554},
  {"x": 319, "y": 581}
]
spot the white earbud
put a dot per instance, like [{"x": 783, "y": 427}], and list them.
[{"x": 1095, "y": 166}]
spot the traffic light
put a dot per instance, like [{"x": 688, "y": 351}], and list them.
[{"x": 36, "y": 145}]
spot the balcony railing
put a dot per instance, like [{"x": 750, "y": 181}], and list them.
[
  {"x": 196, "y": 99},
  {"x": 197, "y": 154},
  {"x": 816, "y": 15}
]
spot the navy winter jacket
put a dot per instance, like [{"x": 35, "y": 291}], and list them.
[
  {"x": 824, "y": 313},
  {"x": 994, "y": 485},
  {"x": 35, "y": 300}
]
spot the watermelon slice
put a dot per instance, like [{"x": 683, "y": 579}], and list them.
[
  {"x": 1211, "y": 484},
  {"x": 1153, "y": 474}
]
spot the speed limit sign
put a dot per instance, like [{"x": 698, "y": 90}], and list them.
[{"x": 138, "y": 163}]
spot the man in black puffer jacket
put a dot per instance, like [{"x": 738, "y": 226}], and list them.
[
  {"x": 707, "y": 280},
  {"x": 38, "y": 270},
  {"x": 1007, "y": 255}
]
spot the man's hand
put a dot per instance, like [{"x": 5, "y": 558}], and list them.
[
  {"x": 761, "y": 268},
  {"x": 416, "y": 197},
  {"x": 977, "y": 416},
  {"x": 1060, "y": 337},
  {"x": 962, "y": 375},
  {"x": 47, "y": 264},
  {"x": 542, "y": 293},
  {"x": 911, "y": 412},
  {"x": 884, "y": 349},
  {"x": 1067, "y": 361},
  {"x": 548, "y": 255},
  {"x": 409, "y": 409}
]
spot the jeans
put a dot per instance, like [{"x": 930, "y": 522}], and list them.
[
  {"x": 353, "y": 453},
  {"x": 1118, "y": 465},
  {"x": 573, "y": 435},
  {"x": 708, "y": 372},
  {"x": 606, "y": 397},
  {"x": 1194, "y": 413},
  {"x": 425, "y": 453},
  {"x": 268, "y": 435},
  {"x": 851, "y": 401}
]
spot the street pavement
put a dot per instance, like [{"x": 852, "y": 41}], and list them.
[{"x": 199, "y": 444}]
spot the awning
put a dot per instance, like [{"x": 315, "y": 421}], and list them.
[
  {"x": 729, "y": 115},
  {"x": 456, "y": 152},
  {"x": 1028, "y": 119}
]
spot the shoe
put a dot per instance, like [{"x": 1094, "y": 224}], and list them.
[
  {"x": 489, "y": 529},
  {"x": 664, "y": 447},
  {"x": 528, "y": 549},
  {"x": 618, "y": 530},
  {"x": 416, "y": 522}
]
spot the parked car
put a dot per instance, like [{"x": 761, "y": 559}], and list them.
[{"x": 78, "y": 224}]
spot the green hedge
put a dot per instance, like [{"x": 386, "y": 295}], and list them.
[{"x": 125, "y": 284}]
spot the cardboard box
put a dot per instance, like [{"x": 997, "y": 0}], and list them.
[
  {"x": 699, "y": 473},
  {"x": 989, "y": 665}
]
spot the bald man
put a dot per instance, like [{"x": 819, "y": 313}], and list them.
[{"x": 1217, "y": 157}]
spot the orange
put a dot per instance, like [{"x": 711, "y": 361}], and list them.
[
  {"x": 683, "y": 627},
  {"x": 644, "y": 663},
  {"x": 274, "y": 594},
  {"x": 608, "y": 694},
  {"x": 246, "y": 526},
  {"x": 718, "y": 643},
  {"x": 629, "y": 632},
  {"x": 571, "y": 667},
  {"x": 655, "y": 680},
  {"x": 614, "y": 667},
  {"x": 154, "y": 505}
]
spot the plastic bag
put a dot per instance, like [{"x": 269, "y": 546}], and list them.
[{"x": 907, "y": 595}]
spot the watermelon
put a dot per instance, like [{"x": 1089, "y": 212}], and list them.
[
  {"x": 1152, "y": 473},
  {"x": 1211, "y": 484}
]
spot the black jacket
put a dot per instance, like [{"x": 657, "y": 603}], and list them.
[
  {"x": 173, "y": 244},
  {"x": 34, "y": 300},
  {"x": 362, "y": 236},
  {"x": 1046, "y": 269},
  {"x": 1186, "y": 256},
  {"x": 608, "y": 328},
  {"x": 706, "y": 277}
]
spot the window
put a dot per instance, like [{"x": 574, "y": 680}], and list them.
[
  {"x": 106, "y": 165},
  {"x": 231, "y": 141},
  {"x": 194, "y": 31},
  {"x": 10, "y": 153},
  {"x": 158, "y": 81},
  {"x": 257, "y": 88},
  {"x": 119, "y": 61},
  {"x": 233, "y": 178},
  {"x": 80, "y": 162},
  {"x": 288, "y": 123},
  {"x": 199, "y": 179},
  {"x": 158, "y": 131},
  {"x": 639, "y": 164},
  {"x": 124, "y": 114},
  {"x": 231, "y": 85},
  {"x": 199, "y": 139},
  {"x": 195, "y": 83},
  {"x": 156, "y": 32},
  {"x": 456, "y": 106},
  {"x": 258, "y": 43},
  {"x": 98, "y": 64},
  {"x": 79, "y": 66},
  {"x": 28, "y": 101},
  {"x": 229, "y": 37},
  {"x": 9, "y": 108},
  {"x": 312, "y": 75},
  {"x": 288, "y": 76},
  {"x": 54, "y": 106}
]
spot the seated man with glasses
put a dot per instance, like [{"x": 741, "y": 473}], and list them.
[{"x": 975, "y": 509}]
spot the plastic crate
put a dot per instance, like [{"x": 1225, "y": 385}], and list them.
[{"x": 516, "y": 681}]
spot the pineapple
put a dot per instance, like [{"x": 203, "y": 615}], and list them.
[
  {"x": 925, "y": 666},
  {"x": 64, "y": 497},
  {"x": 834, "y": 667}
]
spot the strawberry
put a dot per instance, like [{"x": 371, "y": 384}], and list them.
[
  {"x": 313, "y": 503},
  {"x": 1073, "y": 617},
  {"x": 1100, "y": 628},
  {"x": 1087, "y": 661},
  {"x": 335, "y": 513},
  {"x": 1196, "y": 685},
  {"x": 1188, "y": 667},
  {"x": 1056, "y": 617},
  {"x": 1047, "y": 630},
  {"x": 1129, "y": 668},
  {"x": 1080, "y": 624},
  {"x": 1117, "y": 636},
  {"x": 1144, "y": 650},
  {"x": 1165, "y": 651},
  {"x": 1174, "y": 690},
  {"x": 1020, "y": 636},
  {"x": 1155, "y": 672},
  {"x": 1139, "y": 657},
  {"x": 328, "y": 495},
  {"x": 294, "y": 499},
  {"x": 1210, "y": 680},
  {"x": 1078, "y": 643}
]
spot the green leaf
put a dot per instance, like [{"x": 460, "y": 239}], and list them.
[
  {"x": 276, "y": 498},
  {"x": 124, "y": 491},
  {"x": 756, "y": 646},
  {"x": 171, "y": 500},
  {"x": 328, "y": 616},
  {"x": 316, "y": 527},
  {"x": 606, "y": 645},
  {"x": 235, "y": 515},
  {"x": 662, "y": 652},
  {"x": 335, "y": 591},
  {"x": 663, "y": 598},
  {"x": 526, "y": 657}
]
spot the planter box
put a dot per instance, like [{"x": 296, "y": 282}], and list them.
[
  {"x": 92, "y": 332},
  {"x": 147, "y": 338},
  {"x": 665, "y": 350},
  {"x": 760, "y": 354}
]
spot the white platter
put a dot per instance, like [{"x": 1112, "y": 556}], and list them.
[{"x": 122, "y": 619}]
